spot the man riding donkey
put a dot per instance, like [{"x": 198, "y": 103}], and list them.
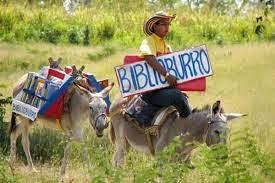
[
  {"x": 161, "y": 115},
  {"x": 157, "y": 28}
]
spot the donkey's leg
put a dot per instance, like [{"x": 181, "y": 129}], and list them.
[
  {"x": 120, "y": 151},
  {"x": 67, "y": 150},
  {"x": 13, "y": 138},
  {"x": 85, "y": 154},
  {"x": 78, "y": 136},
  {"x": 72, "y": 136},
  {"x": 26, "y": 142},
  {"x": 184, "y": 153}
]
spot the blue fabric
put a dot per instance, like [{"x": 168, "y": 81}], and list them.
[
  {"x": 93, "y": 82},
  {"x": 54, "y": 96}
]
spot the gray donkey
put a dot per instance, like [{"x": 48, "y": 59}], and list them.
[
  {"x": 83, "y": 105},
  {"x": 208, "y": 125}
]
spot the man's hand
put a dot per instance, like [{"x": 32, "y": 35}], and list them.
[
  {"x": 152, "y": 61},
  {"x": 172, "y": 80}
]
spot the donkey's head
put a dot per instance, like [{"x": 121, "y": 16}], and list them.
[
  {"x": 97, "y": 110},
  {"x": 218, "y": 127},
  {"x": 55, "y": 64}
]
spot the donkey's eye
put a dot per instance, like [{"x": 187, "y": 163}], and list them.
[{"x": 217, "y": 132}]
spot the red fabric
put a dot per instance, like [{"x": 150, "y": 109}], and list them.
[
  {"x": 56, "y": 73},
  {"x": 68, "y": 70},
  {"x": 56, "y": 109},
  {"x": 194, "y": 85}
]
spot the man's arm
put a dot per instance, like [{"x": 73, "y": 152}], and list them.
[{"x": 152, "y": 61}]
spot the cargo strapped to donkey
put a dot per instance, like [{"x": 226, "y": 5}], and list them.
[
  {"x": 43, "y": 93},
  {"x": 40, "y": 91}
]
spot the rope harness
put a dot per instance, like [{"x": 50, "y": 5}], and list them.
[{"x": 151, "y": 131}]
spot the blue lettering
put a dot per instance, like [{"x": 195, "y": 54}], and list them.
[
  {"x": 133, "y": 78},
  {"x": 185, "y": 65},
  {"x": 202, "y": 52},
  {"x": 140, "y": 76},
  {"x": 149, "y": 77},
  {"x": 180, "y": 75},
  {"x": 196, "y": 61},
  {"x": 123, "y": 80},
  {"x": 170, "y": 66}
]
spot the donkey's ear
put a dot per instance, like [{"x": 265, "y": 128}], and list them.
[
  {"x": 216, "y": 107},
  {"x": 59, "y": 60},
  {"x": 50, "y": 59},
  {"x": 230, "y": 116},
  {"x": 104, "y": 93}
]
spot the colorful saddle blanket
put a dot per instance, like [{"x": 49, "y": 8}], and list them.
[{"x": 55, "y": 109}]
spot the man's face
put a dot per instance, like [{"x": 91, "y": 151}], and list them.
[{"x": 161, "y": 28}]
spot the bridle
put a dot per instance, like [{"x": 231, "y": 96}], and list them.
[
  {"x": 103, "y": 114},
  {"x": 79, "y": 74},
  {"x": 105, "y": 117},
  {"x": 98, "y": 116},
  {"x": 209, "y": 123}
]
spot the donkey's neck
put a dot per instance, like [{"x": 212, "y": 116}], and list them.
[
  {"x": 79, "y": 102},
  {"x": 195, "y": 125}
]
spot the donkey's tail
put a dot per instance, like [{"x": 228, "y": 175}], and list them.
[
  {"x": 13, "y": 123},
  {"x": 112, "y": 135}
]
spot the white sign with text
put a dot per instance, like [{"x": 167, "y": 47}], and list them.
[
  {"x": 186, "y": 65},
  {"x": 25, "y": 110}
]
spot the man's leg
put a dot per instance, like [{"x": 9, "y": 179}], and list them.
[{"x": 170, "y": 96}]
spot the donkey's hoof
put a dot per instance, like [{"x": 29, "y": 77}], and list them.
[
  {"x": 62, "y": 173},
  {"x": 118, "y": 163},
  {"x": 190, "y": 165},
  {"x": 34, "y": 170},
  {"x": 11, "y": 159}
]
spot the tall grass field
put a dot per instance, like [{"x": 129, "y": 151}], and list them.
[{"x": 243, "y": 63}]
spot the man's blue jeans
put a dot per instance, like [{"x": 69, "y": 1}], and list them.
[{"x": 167, "y": 97}]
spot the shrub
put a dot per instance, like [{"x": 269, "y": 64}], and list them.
[
  {"x": 24, "y": 65},
  {"x": 4, "y": 176},
  {"x": 3, "y": 125},
  {"x": 73, "y": 36},
  {"x": 50, "y": 25},
  {"x": 49, "y": 34},
  {"x": 106, "y": 30},
  {"x": 86, "y": 39},
  {"x": 107, "y": 51},
  {"x": 236, "y": 163}
]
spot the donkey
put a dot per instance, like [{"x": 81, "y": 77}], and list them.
[
  {"x": 208, "y": 125},
  {"x": 83, "y": 105},
  {"x": 55, "y": 63}
]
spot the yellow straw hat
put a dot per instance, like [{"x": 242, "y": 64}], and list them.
[{"x": 148, "y": 25}]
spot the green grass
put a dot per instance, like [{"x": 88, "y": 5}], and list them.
[
  {"x": 243, "y": 80},
  {"x": 123, "y": 24}
]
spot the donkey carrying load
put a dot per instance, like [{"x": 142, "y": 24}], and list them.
[
  {"x": 208, "y": 125},
  {"x": 83, "y": 104}
]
